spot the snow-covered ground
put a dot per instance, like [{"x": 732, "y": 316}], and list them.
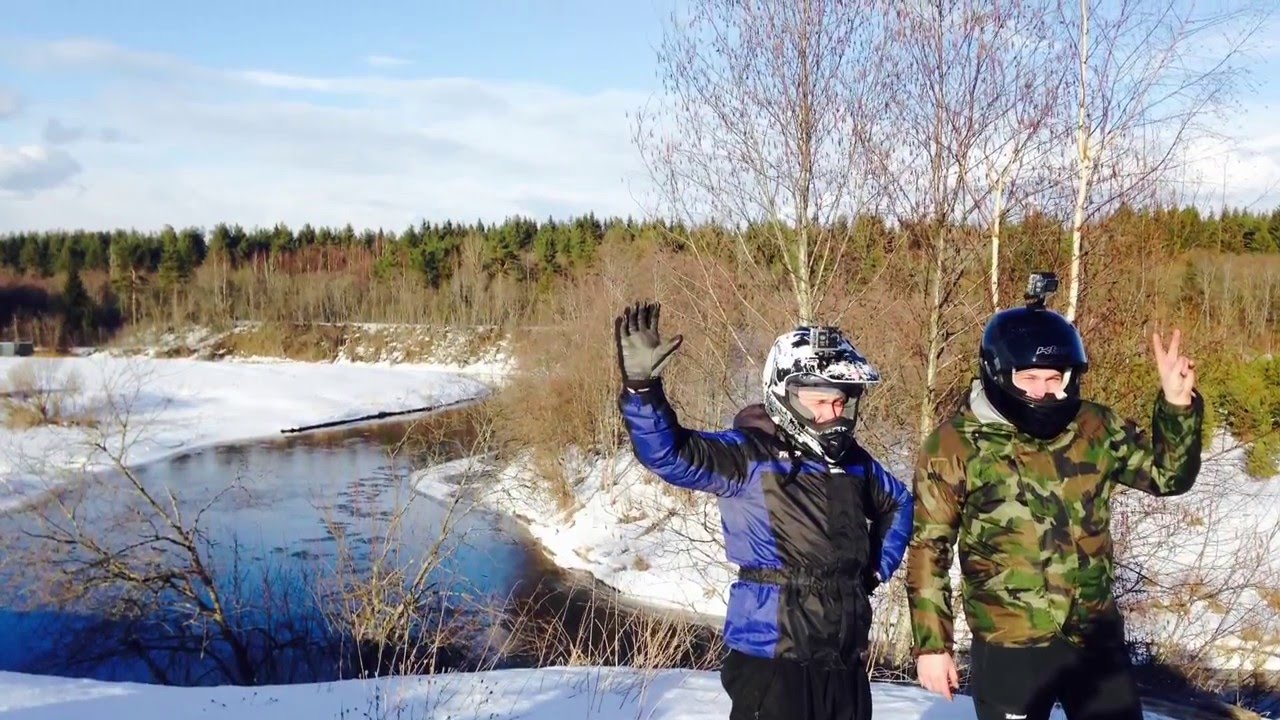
[
  {"x": 614, "y": 520},
  {"x": 480, "y": 351},
  {"x": 1210, "y": 562},
  {"x": 542, "y": 694},
  {"x": 1217, "y": 549},
  {"x": 625, "y": 528},
  {"x": 175, "y": 406}
]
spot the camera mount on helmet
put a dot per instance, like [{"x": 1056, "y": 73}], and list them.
[
  {"x": 1039, "y": 287},
  {"x": 825, "y": 340}
]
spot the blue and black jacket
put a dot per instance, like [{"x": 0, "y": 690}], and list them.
[{"x": 811, "y": 541}]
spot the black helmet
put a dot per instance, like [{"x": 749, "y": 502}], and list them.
[
  {"x": 1032, "y": 337},
  {"x": 816, "y": 357}
]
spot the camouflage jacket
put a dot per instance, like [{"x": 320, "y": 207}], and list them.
[{"x": 1033, "y": 518}]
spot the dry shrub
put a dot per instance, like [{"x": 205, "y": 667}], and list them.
[
  {"x": 587, "y": 625},
  {"x": 567, "y": 392},
  {"x": 569, "y": 364},
  {"x": 325, "y": 342},
  {"x": 566, "y": 402},
  {"x": 296, "y": 341},
  {"x": 37, "y": 393},
  {"x": 389, "y": 595},
  {"x": 1272, "y": 597}
]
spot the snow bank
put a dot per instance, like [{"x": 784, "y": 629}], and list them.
[
  {"x": 543, "y": 694},
  {"x": 482, "y": 351},
  {"x": 176, "y": 406},
  {"x": 1209, "y": 563},
  {"x": 625, "y": 527}
]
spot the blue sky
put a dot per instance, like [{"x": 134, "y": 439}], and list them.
[
  {"x": 145, "y": 113},
  {"x": 580, "y": 45},
  {"x": 132, "y": 113}
]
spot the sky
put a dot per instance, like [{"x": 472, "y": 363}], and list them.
[{"x": 140, "y": 114}]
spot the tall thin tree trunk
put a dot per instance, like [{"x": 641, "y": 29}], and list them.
[
  {"x": 1077, "y": 239},
  {"x": 133, "y": 296},
  {"x": 995, "y": 243},
  {"x": 804, "y": 289},
  {"x": 1084, "y": 158},
  {"x": 934, "y": 345}
]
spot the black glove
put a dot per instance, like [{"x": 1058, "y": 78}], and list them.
[{"x": 641, "y": 353}]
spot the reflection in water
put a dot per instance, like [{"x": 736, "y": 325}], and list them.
[
  {"x": 288, "y": 531},
  {"x": 309, "y": 543}
]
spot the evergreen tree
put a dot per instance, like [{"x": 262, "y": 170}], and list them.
[
  {"x": 77, "y": 306},
  {"x": 175, "y": 260},
  {"x": 31, "y": 259}
]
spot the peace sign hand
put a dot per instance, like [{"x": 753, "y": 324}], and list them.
[{"x": 1177, "y": 372}]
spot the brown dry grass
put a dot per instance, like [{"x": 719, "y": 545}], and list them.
[
  {"x": 578, "y": 624},
  {"x": 296, "y": 341},
  {"x": 36, "y": 393},
  {"x": 1271, "y": 596}
]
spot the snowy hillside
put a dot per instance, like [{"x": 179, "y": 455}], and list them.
[{"x": 482, "y": 351}]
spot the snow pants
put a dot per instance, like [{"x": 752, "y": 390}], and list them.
[
  {"x": 778, "y": 689},
  {"x": 1094, "y": 682}
]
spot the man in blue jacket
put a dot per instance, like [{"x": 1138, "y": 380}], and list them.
[{"x": 811, "y": 519}]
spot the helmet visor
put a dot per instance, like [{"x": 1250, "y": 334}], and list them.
[
  {"x": 1047, "y": 391},
  {"x": 819, "y": 400}
]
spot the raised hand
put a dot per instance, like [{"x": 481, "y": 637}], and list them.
[
  {"x": 641, "y": 353},
  {"x": 1177, "y": 372}
]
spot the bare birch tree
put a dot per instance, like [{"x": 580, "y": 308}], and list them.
[
  {"x": 1148, "y": 77},
  {"x": 1021, "y": 88},
  {"x": 759, "y": 129},
  {"x": 969, "y": 110},
  {"x": 949, "y": 102}
]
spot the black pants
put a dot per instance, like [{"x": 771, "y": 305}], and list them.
[
  {"x": 1092, "y": 683},
  {"x": 765, "y": 689}
]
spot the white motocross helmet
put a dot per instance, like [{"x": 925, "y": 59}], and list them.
[{"x": 816, "y": 358}]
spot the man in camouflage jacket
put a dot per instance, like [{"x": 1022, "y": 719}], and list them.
[{"x": 1022, "y": 477}]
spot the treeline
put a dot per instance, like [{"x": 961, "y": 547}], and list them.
[
  {"x": 1212, "y": 276},
  {"x": 66, "y": 287},
  {"x": 519, "y": 246}
]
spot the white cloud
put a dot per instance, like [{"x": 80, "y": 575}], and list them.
[
  {"x": 28, "y": 169},
  {"x": 1240, "y": 167},
  {"x": 257, "y": 147},
  {"x": 384, "y": 61},
  {"x": 57, "y": 133},
  {"x": 80, "y": 54},
  {"x": 10, "y": 103},
  {"x": 112, "y": 135}
]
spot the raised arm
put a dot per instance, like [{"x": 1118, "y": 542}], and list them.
[
  {"x": 1168, "y": 462},
  {"x": 715, "y": 462}
]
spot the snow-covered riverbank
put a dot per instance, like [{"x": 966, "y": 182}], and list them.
[{"x": 144, "y": 409}]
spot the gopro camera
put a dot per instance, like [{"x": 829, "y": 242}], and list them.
[
  {"x": 1039, "y": 287},
  {"x": 825, "y": 340}
]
